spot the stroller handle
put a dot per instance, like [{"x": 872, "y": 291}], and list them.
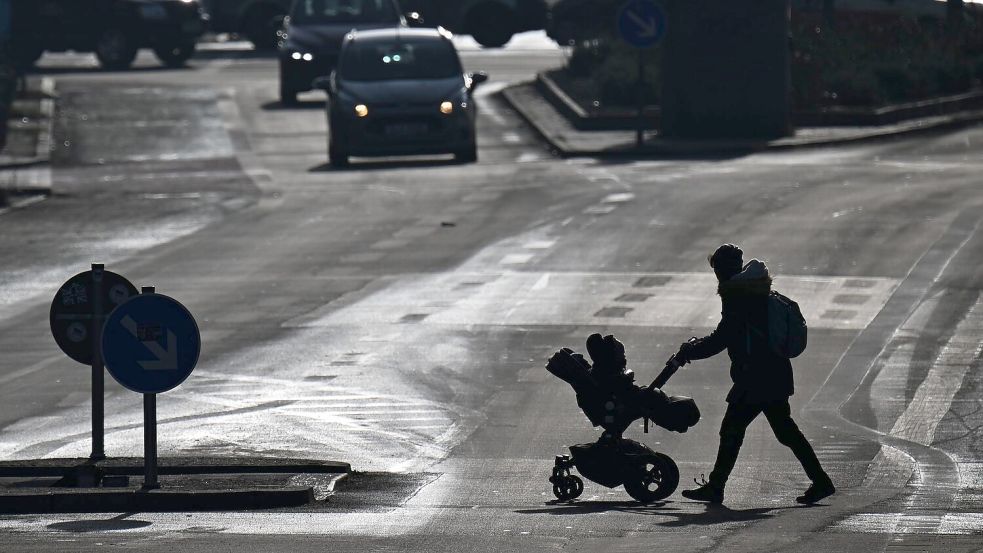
[{"x": 672, "y": 365}]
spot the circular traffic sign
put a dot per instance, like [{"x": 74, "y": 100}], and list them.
[
  {"x": 150, "y": 343},
  {"x": 73, "y": 316},
  {"x": 641, "y": 23}
]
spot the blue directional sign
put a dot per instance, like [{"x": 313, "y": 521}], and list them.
[
  {"x": 641, "y": 23},
  {"x": 150, "y": 343}
]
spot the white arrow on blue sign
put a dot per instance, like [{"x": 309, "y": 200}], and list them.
[
  {"x": 150, "y": 343},
  {"x": 641, "y": 23}
]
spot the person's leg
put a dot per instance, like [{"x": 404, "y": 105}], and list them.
[
  {"x": 732, "y": 429},
  {"x": 779, "y": 416}
]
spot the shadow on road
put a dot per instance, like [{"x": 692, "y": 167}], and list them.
[
  {"x": 69, "y": 69},
  {"x": 234, "y": 54},
  {"x": 300, "y": 105},
  {"x": 712, "y": 514},
  {"x": 592, "y": 507},
  {"x": 718, "y": 514},
  {"x": 628, "y": 157},
  {"x": 116, "y": 523},
  {"x": 385, "y": 164}
]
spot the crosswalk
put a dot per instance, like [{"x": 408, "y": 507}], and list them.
[{"x": 519, "y": 298}]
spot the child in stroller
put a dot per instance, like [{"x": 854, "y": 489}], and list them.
[{"x": 607, "y": 394}]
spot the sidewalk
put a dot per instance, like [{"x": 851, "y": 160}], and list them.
[
  {"x": 568, "y": 141},
  {"x": 186, "y": 484},
  {"x": 24, "y": 173}
]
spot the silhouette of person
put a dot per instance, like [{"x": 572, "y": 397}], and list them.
[{"x": 762, "y": 379}]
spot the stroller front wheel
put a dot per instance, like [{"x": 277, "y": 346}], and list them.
[
  {"x": 566, "y": 488},
  {"x": 655, "y": 478}
]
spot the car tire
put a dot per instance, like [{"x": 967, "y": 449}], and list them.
[
  {"x": 467, "y": 155},
  {"x": 25, "y": 56},
  {"x": 491, "y": 24},
  {"x": 260, "y": 26},
  {"x": 288, "y": 96},
  {"x": 337, "y": 157},
  {"x": 175, "y": 55},
  {"x": 115, "y": 50}
]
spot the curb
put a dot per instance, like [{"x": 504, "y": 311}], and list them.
[
  {"x": 582, "y": 120},
  {"x": 45, "y": 500},
  {"x": 133, "y": 466},
  {"x": 680, "y": 148}
]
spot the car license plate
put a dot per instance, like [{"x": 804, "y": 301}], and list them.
[{"x": 405, "y": 129}]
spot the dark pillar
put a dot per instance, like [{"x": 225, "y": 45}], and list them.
[{"x": 726, "y": 70}]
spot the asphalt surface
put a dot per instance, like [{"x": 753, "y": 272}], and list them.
[{"x": 397, "y": 315}]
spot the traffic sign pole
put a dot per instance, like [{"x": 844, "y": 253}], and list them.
[
  {"x": 641, "y": 24},
  {"x": 150, "y": 344},
  {"x": 150, "y": 481},
  {"x": 98, "y": 378},
  {"x": 77, "y": 314},
  {"x": 639, "y": 138}
]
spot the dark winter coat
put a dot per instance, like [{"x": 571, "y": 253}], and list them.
[{"x": 759, "y": 375}]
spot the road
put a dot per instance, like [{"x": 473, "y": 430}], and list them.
[{"x": 397, "y": 315}]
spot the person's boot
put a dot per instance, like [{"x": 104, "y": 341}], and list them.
[
  {"x": 820, "y": 489},
  {"x": 705, "y": 491}
]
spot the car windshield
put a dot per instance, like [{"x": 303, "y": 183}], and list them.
[
  {"x": 378, "y": 61},
  {"x": 342, "y": 11}
]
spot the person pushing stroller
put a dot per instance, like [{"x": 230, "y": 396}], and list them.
[{"x": 762, "y": 379}]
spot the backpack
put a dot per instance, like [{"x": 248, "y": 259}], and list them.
[{"x": 787, "y": 330}]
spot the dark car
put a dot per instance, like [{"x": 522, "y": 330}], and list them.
[
  {"x": 400, "y": 92},
  {"x": 113, "y": 29},
  {"x": 313, "y": 32},
  {"x": 257, "y": 20}
]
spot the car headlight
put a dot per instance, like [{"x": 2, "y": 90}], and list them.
[
  {"x": 447, "y": 107},
  {"x": 298, "y": 56},
  {"x": 361, "y": 110}
]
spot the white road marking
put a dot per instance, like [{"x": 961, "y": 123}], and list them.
[
  {"x": 530, "y": 157},
  {"x": 516, "y": 258},
  {"x": 900, "y": 523},
  {"x": 539, "y": 245},
  {"x": 618, "y": 198},
  {"x": 518, "y": 298},
  {"x": 511, "y": 138},
  {"x": 919, "y": 421},
  {"x": 599, "y": 209}
]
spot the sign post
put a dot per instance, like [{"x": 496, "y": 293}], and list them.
[
  {"x": 77, "y": 313},
  {"x": 151, "y": 344},
  {"x": 98, "y": 378},
  {"x": 641, "y": 24}
]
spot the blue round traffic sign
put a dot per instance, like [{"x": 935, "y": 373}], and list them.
[
  {"x": 641, "y": 23},
  {"x": 150, "y": 343},
  {"x": 81, "y": 306}
]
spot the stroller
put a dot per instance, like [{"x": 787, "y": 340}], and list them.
[{"x": 608, "y": 396}]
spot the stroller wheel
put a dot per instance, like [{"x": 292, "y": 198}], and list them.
[
  {"x": 566, "y": 488},
  {"x": 576, "y": 486},
  {"x": 656, "y": 477}
]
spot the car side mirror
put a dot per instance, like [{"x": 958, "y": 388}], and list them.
[
  {"x": 477, "y": 78},
  {"x": 414, "y": 19}
]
